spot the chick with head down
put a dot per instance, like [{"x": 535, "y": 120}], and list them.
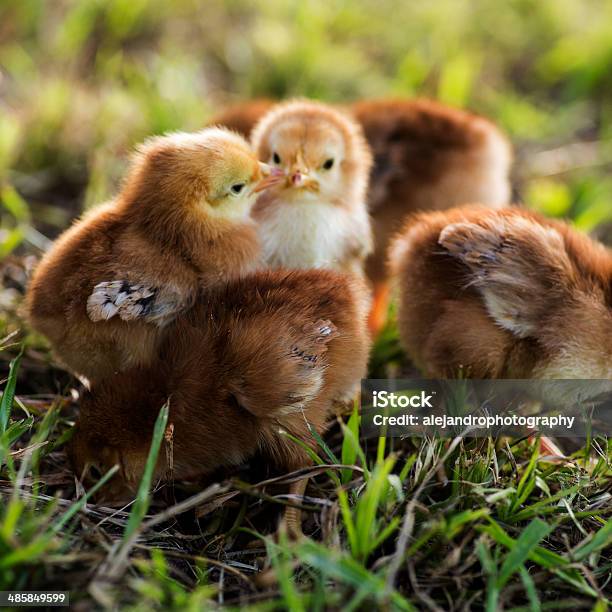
[
  {"x": 252, "y": 361},
  {"x": 503, "y": 294}
]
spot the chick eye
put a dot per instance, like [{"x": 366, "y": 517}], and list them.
[
  {"x": 237, "y": 188},
  {"x": 328, "y": 164},
  {"x": 276, "y": 158}
]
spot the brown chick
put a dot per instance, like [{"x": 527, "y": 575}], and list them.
[
  {"x": 317, "y": 217},
  {"x": 427, "y": 156},
  {"x": 243, "y": 116},
  {"x": 109, "y": 286},
  {"x": 503, "y": 294},
  {"x": 259, "y": 356}
]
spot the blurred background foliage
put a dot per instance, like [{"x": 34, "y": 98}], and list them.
[{"x": 82, "y": 81}]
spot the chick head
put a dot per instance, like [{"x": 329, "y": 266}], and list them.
[
  {"x": 319, "y": 152},
  {"x": 214, "y": 171}
]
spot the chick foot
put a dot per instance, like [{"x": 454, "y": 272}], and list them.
[
  {"x": 292, "y": 517},
  {"x": 378, "y": 311}
]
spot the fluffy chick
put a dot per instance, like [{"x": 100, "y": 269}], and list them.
[
  {"x": 316, "y": 218},
  {"x": 111, "y": 283},
  {"x": 503, "y": 294},
  {"x": 305, "y": 327},
  {"x": 427, "y": 156}
]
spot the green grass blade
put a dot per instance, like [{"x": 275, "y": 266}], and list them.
[
  {"x": 536, "y": 507},
  {"x": 530, "y": 590},
  {"x": 13, "y": 432},
  {"x": 408, "y": 463},
  {"x": 16, "y": 429},
  {"x": 527, "y": 481},
  {"x": 8, "y": 395},
  {"x": 490, "y": 569},
  {"x": 37, "y": 546},
  {"x": 322, "y": 444},
  {"x": 536, "y": 531},
  {"x": 367, "y": 506},
  {"x": 76, "y": 506},
  {"x": 143, "y": 497},
  {"x": 348, "y": 571},
  {"x": 350, "y": 444},
  {"x": 385, "y": 533},
  {"x": 542, "y": 556},
  {"x": 380, "y": 450},
  {"x": 281, "y": 562},
  {"x": 455, "y": 524},
  {"x": 307, "y": 449},
  {"x": 354, "y": 442},
  {"x": 10, "y": 518},
  {"x": 349, "y": 523},
  {"x": 591, "y": 544}
]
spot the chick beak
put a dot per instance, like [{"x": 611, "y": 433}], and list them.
[
  {"x": 272, "y": 176},
  {"x": 301, "y": 179},
  {"x": 298, "y": 178},
  {"x": 266, "y": 169}
]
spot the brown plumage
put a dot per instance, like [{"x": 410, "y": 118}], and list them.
[
  {"x": 427, "y": 156},
  {"x": 262, "y": 354},
  {"x": 503, "y": 294},
  {"x": 317, "y": 217},
  {"x": 113, "y": 281},
  {"x": 243, "y": 116}
]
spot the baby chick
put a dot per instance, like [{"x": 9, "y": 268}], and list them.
[
  {"x": 503, "y": 294},
  {"x": 110, "y": 284},
  {"x": 427, "y": 156},
  {"x": 317, "y": 218},
  {"x": 307, "y": 328}
]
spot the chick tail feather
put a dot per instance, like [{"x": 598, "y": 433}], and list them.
[{"x": 277, "y": 369}]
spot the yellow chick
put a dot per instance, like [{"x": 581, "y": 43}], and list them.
[
  {"x": 317, "y": 216},
  {"x": 111, "y": 283}
]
